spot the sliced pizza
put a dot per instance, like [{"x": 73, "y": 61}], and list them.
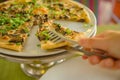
[
  {"x": 18, "y": 17},
  {"x": 16, "y": 22},
  {"x": 44, "y": 36},
  {"x": 13, "y": 26}
]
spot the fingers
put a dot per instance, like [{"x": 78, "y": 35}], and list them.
[
  {"x": 110, "y": 63},
  {"x": 94, "y": 60},
  {"x": 107, "y": 63},
  {"x": 94, "y": 43}
]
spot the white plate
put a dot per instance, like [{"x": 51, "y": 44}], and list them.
[
  {"x": 78, "y": 69},
  {"x": 31, "y": 48}
]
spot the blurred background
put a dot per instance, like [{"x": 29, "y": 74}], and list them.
[{"x": 106, "y": 11}]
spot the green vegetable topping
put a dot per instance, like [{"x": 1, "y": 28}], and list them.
[
  {"x": 3, "y": 20},
  {"x": 45, "y": 33},
  {"x": 68, "y": 31},
  {"x": 34, "y": 1},
  {"x": 3, "y": 31},
  {"x": 59, "y": 25},
  {"x": 87, "y": 25},
  {"x": 38, "y": 45},
  {"x": 8, "y": 22},
  {"x": 19, "y": 43},
  {"x": 26, "y": 30},
  {"x": 36, "y": 35}
]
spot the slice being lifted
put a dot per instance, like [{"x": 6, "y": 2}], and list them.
[{"x": 44, "y": 37}]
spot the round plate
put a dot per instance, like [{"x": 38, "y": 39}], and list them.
[{"x": 31, "y": 49}]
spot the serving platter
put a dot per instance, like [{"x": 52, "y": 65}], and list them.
[{"x": 31, "y": 49}]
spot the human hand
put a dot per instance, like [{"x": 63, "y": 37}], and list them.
[{"x": 108, "y": 41}]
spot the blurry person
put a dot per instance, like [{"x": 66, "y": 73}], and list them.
[{"x": 109, "y": 42}]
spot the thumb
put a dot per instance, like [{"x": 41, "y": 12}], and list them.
[{"x": 97, "y": 43}]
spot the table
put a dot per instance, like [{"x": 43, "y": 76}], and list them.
[{"x": 11, "y": 71}]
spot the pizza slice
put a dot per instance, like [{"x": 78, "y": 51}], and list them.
[
  {"x": 16, "y": 22},
  {"x": 68, "y": 10},
  {"x": 44, "y": 36},
  {"x": 14, "y": 31}
]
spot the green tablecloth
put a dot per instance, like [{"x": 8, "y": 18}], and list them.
[{"x": 11, "y": 71}]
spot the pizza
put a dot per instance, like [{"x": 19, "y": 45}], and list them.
[
  {"x": 16, "y": 22},
  {"x": 44, "y": 36},
  {"x": 62, "y": 10},
  {"x": 68, "y": 10},
  {"x": 17, "y": 18}
]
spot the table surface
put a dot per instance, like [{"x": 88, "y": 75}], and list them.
[{"x": 11, "y": 71}]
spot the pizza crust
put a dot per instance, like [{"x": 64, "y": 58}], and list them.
[
  {"x": 50, "y": 45},
  {"x": 7, "y": 45}
]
